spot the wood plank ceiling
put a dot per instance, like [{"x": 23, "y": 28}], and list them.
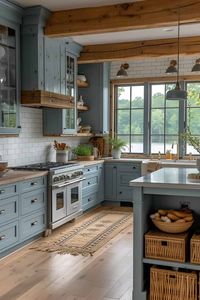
[{"x": 122, "y": 17}]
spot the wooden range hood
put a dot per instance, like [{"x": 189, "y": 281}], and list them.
[{"x": 40, "y": 98}]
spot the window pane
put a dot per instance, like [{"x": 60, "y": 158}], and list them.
[
  {"x": 137, "y": 100},
  {"x": 157, "y": 95},
  {"x": 137, "y": 144},
  {"x": 172, "y": 119},
  {"x": 193, "y": 90},
  {"x": 123, "y": 121},
  {"x": 137, "y": 121},
  {"x": 123, "y": 94},
  {"x": 190, "y": 149},
  {"x": 126, "y": 139},
  {"x": 193, "y": 120},
  {"x": 157, "y": 121},
  {"x": 157, "y": 144}
]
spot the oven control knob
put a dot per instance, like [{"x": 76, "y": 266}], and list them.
[
  {"x": 81, "y": 173},
  {"x": 73, "y": 175},
  {"x": 62, "y": 177},
  {"x": 67, "y": 177},
  {"x": 56, "y": 179}
]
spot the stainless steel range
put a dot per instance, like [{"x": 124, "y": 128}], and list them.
[{"x": 64, "y": 191}]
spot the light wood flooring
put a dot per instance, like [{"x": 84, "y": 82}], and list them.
[{"x": 33, "y": 275}]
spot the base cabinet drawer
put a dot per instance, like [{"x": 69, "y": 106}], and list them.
[
  {"x": 90, "y": 170},
  {"x": 8, "y": 209},
  {"x": 34, "y": 183},
  {"x": 32, "y": 201},
  {"x": 8, "y": 190},
  {"x": 8, "y": 235},
  {"x": 89, "y": 201},
  {"x": 90, "y": 181},
  {"x": 125, "y": 194},
  {"x": 33, "y": 224}
]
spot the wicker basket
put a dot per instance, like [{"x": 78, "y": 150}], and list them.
[
  {"x": 173, "y": 285},
  {"x": 173, "y": 227},
  {"x": 166, "y": 246},
  {"x": 195, "y": 249}
]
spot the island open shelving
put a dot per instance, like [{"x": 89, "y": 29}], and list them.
[{"x": 167, "y": 188}]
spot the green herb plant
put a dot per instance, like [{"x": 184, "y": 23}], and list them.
[
  {"x": 191, "y": 139},
  {"x": 116, "y": 143},
  {"x": 83, "y": 150}
]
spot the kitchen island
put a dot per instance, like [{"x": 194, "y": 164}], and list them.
[{"x": 167, "y": 188}]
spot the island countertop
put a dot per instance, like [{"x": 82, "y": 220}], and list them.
[{"x": 168, "y": 178}]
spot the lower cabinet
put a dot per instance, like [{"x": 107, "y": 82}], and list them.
[
  {"x": 22, "y": 212},
  {"x": 117, "y": 177},
  {"x": 93, "y": 186}
]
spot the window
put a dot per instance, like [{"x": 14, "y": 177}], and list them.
[
  {"x": 129, "y": 121},
  {"x": 164, "y": 119},
  {"x": 193, "y": 112},
  {"x": 149, "y": 123}
]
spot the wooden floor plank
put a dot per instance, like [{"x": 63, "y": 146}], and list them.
[{"x": 107, "y": 275}]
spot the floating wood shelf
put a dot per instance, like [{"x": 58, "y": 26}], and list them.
[
  {"x": 39, "y": 98},
  {"x": 82, "y": 107},
  {"x": 82, "y": 84},
  {"x": 72, "y": 134}
]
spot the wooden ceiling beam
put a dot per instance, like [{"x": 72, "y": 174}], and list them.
[
  {"x": 139, "y": 49},
  {"x": 122, "y": 17}
]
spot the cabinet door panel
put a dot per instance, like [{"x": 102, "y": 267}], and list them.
[
  {"x": 125, "y": 194},
  {"x": 8, "y": 235},
  {"x": 31, "y": 225},
  {"x": 9, "y": 83},
  {"x": 110, "y": 173},
  {"x": 8, "y": 209},
  {"x": 32, "y": 201}
]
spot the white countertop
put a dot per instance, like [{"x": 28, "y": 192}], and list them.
[{"x": 168, "y": 178}]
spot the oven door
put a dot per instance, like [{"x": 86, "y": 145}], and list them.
[
  {"x": 74, "y": 197},
  {"x": 59, "y": 206}
]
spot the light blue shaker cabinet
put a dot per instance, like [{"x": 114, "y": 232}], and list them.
[
  {"x": 117, "y": 177},
  {"x": 22, "y": 212},
  {"x": 97, "y": 96},
  {"x": 10, "y": 20},
  {"x": 93, "y": 186},
  {"x": 49, "y": 64}
]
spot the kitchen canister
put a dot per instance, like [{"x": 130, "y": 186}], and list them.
[{"x": 62, "y": 156}]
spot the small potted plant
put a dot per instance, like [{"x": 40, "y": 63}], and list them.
[
  {"x": 84, "y": 152},
  {"x": 117, "y": 145}
]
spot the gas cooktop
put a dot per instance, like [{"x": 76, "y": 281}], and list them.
[{"x": 46, "y": 166}]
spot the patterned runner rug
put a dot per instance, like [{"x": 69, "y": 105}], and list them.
[{"x": 89, "y": 235}]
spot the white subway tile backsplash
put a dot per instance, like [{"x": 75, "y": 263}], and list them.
[{"x": 31, "y": 146}]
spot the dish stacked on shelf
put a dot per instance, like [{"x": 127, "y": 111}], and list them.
[{"x": 173, "y": 221}]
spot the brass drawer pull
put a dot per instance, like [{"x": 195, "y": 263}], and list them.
[
  {"x": 2, "y": 211},
  {"x": 33, "y": 183},
  {"x": 34, "y": 200},
  {"x": 2, "y": 191},
  {"x": 2, "y": 237},
  {"x": 34, "y": 223}
]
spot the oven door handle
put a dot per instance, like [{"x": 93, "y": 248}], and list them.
[{"x": 69, "y": 183}]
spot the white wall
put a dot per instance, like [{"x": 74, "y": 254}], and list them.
[
  {"x": 153, "y": 67},
  {"x": 31, "y": 145}
]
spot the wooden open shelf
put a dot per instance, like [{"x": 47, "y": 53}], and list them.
[
  {"x": 82, "y": 107},
  {"x": 82, "y": 84},
  {"x": 40, "y": 98},
  {"x": 185, "y": 265}
]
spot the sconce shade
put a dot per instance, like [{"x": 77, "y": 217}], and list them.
[
  {"x": 196, "y": 67},
  {"x": 176, "y": 94},
  {"x": 172, "y": 67},
  {"x": 122, "y": 71}
]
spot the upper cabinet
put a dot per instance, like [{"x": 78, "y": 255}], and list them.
[
  {"x": 49, "y": 64},
  {"x": 9, "y": 68},
  {"x": 96, "y": 96},
  {"x": 64, "y": 120}
]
